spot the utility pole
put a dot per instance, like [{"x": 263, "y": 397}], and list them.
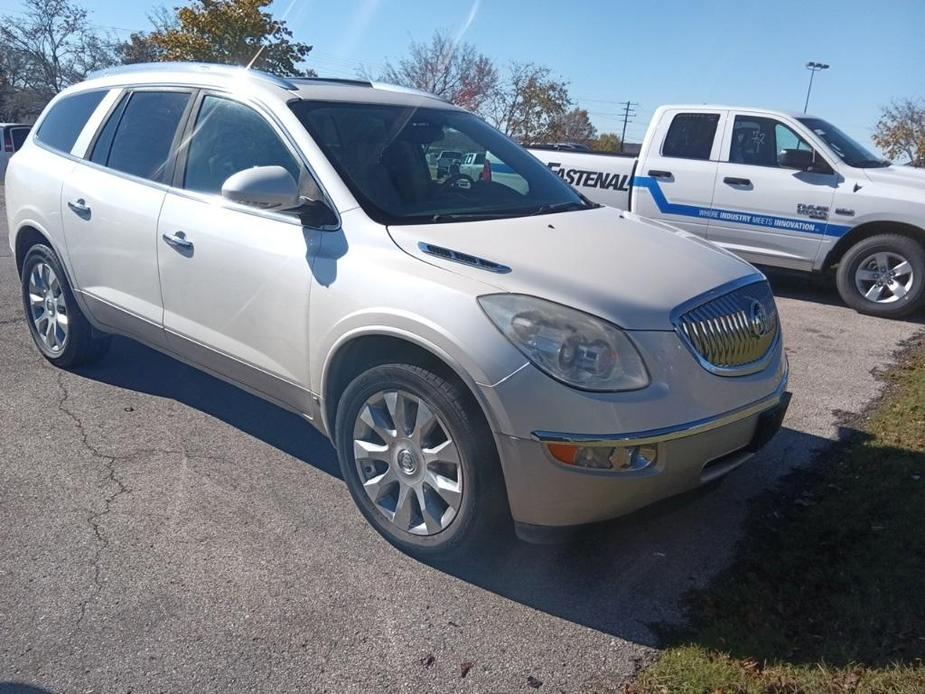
[
  {"x": 813, "y": 68},
  {"x": 629, "y": 112}
]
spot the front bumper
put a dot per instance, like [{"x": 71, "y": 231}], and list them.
[{"x": 544, "y": 492}]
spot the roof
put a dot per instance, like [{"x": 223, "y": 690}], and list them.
[
  {"x": 727, "y": 107},
  {"x": 210, "y": 74}
]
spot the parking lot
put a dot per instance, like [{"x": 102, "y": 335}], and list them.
[{"x": 163, "y": 531}]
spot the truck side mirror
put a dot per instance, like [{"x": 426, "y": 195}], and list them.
[{"x": 802, "y": 160}]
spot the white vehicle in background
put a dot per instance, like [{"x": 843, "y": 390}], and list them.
[
  {"x": 14, "y": 134},
  {"x": 779, "y": 189}
]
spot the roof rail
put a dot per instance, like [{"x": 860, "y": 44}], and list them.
[
  {"x": 331, "y": 80},
  {"x": 213, "y": 68},
  {"x": 386, "y": 87}
]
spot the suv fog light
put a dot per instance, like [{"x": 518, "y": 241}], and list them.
[{"x": 619, "y": 458}]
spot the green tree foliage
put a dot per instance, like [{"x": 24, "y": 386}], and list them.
[
  {"x": 232, "y": 32},
  {"x": 606, "y": 142},
  {"x": 900, "y": 133}
]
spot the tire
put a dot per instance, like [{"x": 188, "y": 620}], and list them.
[
  {"x": 860, "y": 272},
  {"x": 66, "y": 340},
  {"x": 449, "y": 524}
]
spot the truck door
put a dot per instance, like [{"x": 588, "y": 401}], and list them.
[
  {"x": 764, "y": 210},
  {"x": 674, "y": 182}
]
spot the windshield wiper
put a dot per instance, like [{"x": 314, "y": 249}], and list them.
[
  {"x": 872, "y": 164},
  {"x": 459, "y": 216},
  {"x": 560, "y": 207}
]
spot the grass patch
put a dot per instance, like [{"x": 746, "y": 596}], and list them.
[{"x": 827, "y": 593}]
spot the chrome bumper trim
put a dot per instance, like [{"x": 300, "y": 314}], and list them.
[{"x": 640, "y": 438}]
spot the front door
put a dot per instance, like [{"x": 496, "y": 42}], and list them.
[
  {"x": 236, "y": 280},
  {"x": 110, "y": 208},
  {"x": 763, "y": 211}
]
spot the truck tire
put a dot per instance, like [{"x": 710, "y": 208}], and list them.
[
  {"x": 883, "y": 275},
  {"x": 420, "y": 462}
]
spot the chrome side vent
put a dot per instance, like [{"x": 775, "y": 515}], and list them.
[
  {"x": 464, "y": 258},
  {"x": 732, "y": 334}
]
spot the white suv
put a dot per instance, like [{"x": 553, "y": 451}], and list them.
[{"x": 478, "y": 350}]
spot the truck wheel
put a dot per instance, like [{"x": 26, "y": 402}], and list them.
[
  {"x": 420, "y": 462},
  {"x": 883, "y": 276},
  {"x": 59, "y": 329}
]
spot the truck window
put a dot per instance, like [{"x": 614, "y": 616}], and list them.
[
  {"x": 758, "y": 141},
  {"x": 690, "y": 136}
]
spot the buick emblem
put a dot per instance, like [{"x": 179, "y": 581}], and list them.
[{"x": 758, "y": 319}]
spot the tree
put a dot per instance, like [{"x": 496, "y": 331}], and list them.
[
  {"x": 573, "y": 126},
  {"x": 606, "y": 142},
  {"x": 901, "y": 130},
  {"x": 140, "y": 47},
  {"x": 454, "y": 71},
  {"x": 49, "y": 47},
  {"x": 232, "y": 32},
  {"x": 529, "y": 103}
]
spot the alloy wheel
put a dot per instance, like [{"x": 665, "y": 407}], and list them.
[
  {"x": 47, "y": 307},
  {"x": 884, "y": 277},
  {"x": 407, "y": 462}
]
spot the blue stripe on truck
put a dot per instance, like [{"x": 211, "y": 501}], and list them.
[{"x": 734, "y": 216}]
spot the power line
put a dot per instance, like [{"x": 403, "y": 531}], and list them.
[{"x": 629, "y": 112}]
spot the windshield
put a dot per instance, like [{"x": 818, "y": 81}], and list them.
[
  {"x": 408, "y": 165},
  {"x": 849, "y": 151}
]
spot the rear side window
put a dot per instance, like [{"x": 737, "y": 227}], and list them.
[
  {"x": 230, "y": 137},
  {"x": 63, "y": 123},
  {"x": 138, "y": 135},
  {"x": 18, "y": 136},
  {"x": 690, "y": 136}
]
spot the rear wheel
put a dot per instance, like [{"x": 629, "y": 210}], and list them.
[
  {"x": 59, "y": 329},
  {"x": 420, "y": 462},
  {"x": 883, "y": 276}
]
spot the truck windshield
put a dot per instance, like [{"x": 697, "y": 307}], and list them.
[
  {"x": 849, "y": 151},
  {"x": 409, "y": 165}
]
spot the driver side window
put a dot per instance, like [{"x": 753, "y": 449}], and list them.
[
  {"x": 761, "y": 141},
  {"x": 230, "y": 137}
]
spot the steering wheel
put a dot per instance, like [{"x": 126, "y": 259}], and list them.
[{"x": 455, "y": 180}]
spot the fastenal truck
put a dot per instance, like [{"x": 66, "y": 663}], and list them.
[{"x": 779, "y": 189}]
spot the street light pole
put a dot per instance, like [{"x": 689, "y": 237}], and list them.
[{"x": 813, "y": 68}]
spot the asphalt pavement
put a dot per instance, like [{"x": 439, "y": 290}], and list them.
[{"x": 161, "y": 531}]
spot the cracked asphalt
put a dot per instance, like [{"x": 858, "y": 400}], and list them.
[{"x": 161, "y": 531}]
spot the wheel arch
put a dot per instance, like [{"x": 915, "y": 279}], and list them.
[
  {"x": 358, "y": 353},
  {"x": 867, "y": 230}
]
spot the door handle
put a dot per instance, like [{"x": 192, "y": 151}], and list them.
[
  {"x": 80, "y": 208},
  {"x": 733, "y": 181},
  {"x": 656, "y": 173},
  {"x": 178, "y": 240}
]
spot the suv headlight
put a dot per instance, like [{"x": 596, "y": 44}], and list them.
[{"x": 569, "y": 345}]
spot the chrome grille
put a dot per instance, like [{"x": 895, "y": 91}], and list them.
[{"x": 733, "y": 333}]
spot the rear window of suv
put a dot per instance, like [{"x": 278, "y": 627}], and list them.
[{"x": 63, "y": 123}]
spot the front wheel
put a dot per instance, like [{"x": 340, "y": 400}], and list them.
[
  {"x": 883, "y": 276},
  {"x": 420, "y": 462}
]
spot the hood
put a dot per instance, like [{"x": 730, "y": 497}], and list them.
[
  {"x": 906, "y": 176},
  {"x": 611, "y": 264}
]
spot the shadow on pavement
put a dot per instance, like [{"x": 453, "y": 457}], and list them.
[
  {"x": 131, "y": 365},
  {"x": 20, "y": 688},
  {"x": 817, "y": 289},
  {"x": 622, "y": 577}
]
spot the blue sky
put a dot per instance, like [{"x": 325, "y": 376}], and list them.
[{"x": 745, "y": 53}]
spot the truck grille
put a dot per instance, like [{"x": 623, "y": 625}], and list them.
[{"x": 732, "y": 334}]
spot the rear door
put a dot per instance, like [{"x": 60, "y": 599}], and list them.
[
  {"x": 675, "y": 181},
  {"x": 763, "y": 211},
  {"x": 110, "y": 206}
]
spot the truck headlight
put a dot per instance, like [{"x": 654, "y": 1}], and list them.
[{"x": 569, "y": 345}]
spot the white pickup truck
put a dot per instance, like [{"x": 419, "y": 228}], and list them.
[{"x": 779, "y": 189}]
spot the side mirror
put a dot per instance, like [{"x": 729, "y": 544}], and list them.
[
  {"x": 802, "y": 160},
  {"x": 266, "y": 187}
]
